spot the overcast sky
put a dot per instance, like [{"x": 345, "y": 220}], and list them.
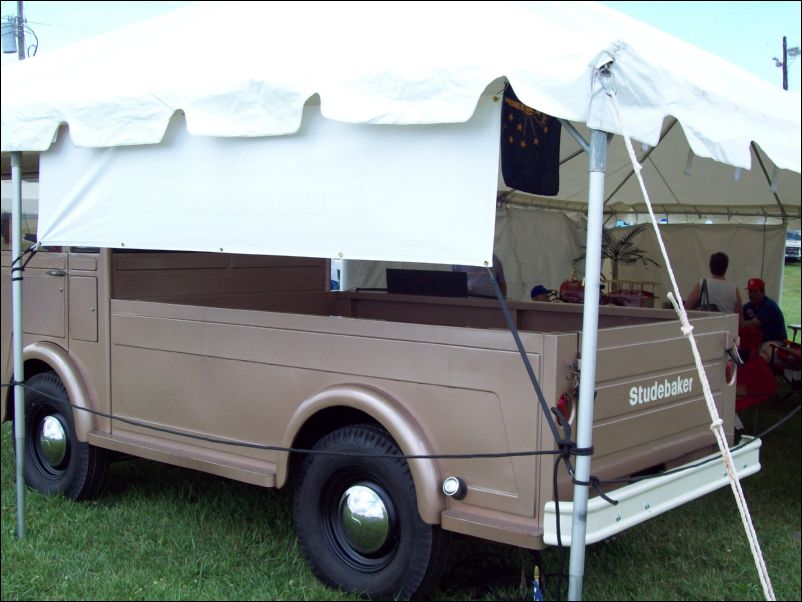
[{"x": 748, "y": 34}]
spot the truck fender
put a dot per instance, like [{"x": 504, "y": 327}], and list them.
[
  {"x": 391, "y": 415},
  {"x": 67, "y": 370}
]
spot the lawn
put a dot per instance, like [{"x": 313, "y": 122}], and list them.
[{"x": 166, "y": 533}]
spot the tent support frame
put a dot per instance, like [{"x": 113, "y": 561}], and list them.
[
  {"x": 587, "y": 367},
  {"x": 772, "y": 183},
  {"x": 19, "y": 376}
]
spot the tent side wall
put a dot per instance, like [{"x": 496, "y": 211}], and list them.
[{"x": 754, "y": 252}]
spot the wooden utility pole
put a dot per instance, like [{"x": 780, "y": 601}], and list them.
[{"x": 785, "y": 63}]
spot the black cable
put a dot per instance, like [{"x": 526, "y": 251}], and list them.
[
  {"x": 593, "y": 481},
  {"x": 29, "y": 251},
  {"x": 777, "y": 424},
  {"x": 566, "y": 446},
  {"x": 522, "y": 351},
  {"x": 560, "y": 549},
  {"x": 260, "y": 446}
]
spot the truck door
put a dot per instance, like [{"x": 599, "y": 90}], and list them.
[
  {"x": 63, "y": 303},
  {"x": 44, "y": 293},
  {"x": 57, "y": 280},
  {"x": 44, "y": 290}
]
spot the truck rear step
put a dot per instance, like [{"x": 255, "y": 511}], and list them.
[{"x": 648, "y": 498}]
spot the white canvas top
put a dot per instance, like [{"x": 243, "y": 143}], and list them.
[
  {"x": 391, "y": 64},
  {"x": 331, "y": 190}
]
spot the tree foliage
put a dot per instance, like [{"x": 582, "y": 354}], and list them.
[{"x": 622, "y": 250}]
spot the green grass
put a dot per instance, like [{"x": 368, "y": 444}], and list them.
[
  {"x": 700, "y": 551},
  {"x": 167, "y": 533},
  {"x": 162, "y": 532}
]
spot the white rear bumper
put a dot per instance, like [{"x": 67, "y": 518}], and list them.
[{"x": 646, "y": 499}]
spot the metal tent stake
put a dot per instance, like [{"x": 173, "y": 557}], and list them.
[{"x": 587, "y": 367}]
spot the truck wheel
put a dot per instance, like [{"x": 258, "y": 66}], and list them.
[
  {"x": 357, "y": 518},
  {"x": 55, "y": 461}
]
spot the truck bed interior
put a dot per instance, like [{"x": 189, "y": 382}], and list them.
[{"x": 299, "y": 285}]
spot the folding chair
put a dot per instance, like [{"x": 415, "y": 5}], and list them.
[{"x": 786, "y": 363}]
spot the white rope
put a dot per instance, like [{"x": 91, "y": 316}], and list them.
[{"x": 717, "y": 424}]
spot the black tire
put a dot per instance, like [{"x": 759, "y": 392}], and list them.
[
  {"x": 409, "y": 560},
  {"x": 80, "y": 471}
]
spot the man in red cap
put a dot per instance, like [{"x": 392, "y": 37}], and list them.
[{"x": 765, "y": 314}]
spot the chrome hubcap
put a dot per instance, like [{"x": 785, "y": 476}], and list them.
[
  {"x": 53, "y": 440},
  {"x": 365, "y": 519}
]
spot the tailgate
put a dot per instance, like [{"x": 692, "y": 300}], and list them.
[{"x": 650, "y": 407}]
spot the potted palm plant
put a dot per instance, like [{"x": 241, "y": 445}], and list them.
[{"x": 623, "y": 251}]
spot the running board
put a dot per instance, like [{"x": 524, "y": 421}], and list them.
[{"x": 218, "y": 463}]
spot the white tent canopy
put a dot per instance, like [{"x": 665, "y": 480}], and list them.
[
  {"x": 389, "y": 63},
  {"x": 375, "y": 67}
]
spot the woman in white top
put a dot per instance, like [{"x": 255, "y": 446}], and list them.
[{"x": 719, "y": 291}]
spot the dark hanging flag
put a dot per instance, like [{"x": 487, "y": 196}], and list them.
[{"x": 530, "y": 147}]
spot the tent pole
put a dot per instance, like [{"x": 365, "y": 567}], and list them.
[
  {"x": 587, "y": 366},
  {"x": 19, "y": 377}
]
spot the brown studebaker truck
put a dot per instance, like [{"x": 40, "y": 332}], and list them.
[{"x": 235, "y": 364}]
